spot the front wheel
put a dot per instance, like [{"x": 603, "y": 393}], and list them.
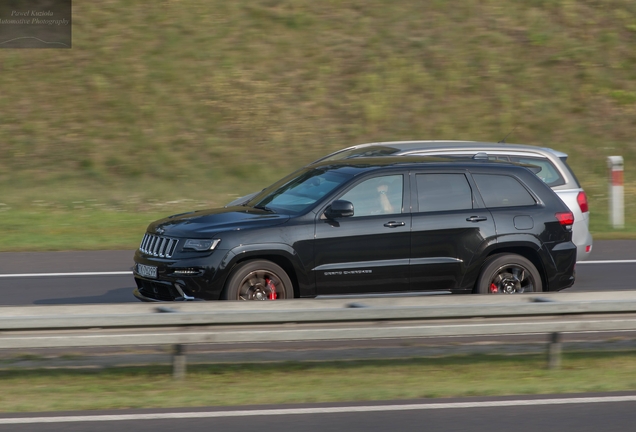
[
  {"x": 258, "y": 280},
  {"x": 508, "y": 274}
]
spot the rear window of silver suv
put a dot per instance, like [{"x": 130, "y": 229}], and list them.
[{"x": 547, "y": 171}]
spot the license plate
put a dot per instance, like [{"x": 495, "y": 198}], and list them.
[{"x": 147, "y": 271}]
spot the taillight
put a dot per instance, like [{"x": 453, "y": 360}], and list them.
[
  {"x": 565, "y": 218},
  {"x": 581, "y": 198}
]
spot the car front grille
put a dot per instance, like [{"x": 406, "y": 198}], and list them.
[{"x": 159, "y": 246}]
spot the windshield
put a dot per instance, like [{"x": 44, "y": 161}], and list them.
[{"x": 299, "y": 193}]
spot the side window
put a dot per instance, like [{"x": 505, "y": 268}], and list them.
[
  {"x": 544, "y": 169},
  {"x": 502, "y": 191},
  {"x": 541, "y": 167},
  {"x": 440, "y": 192},
  {"x": 378, "y": 195}
]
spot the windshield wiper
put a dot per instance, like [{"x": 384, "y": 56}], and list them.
[{"x": 267, "y": 209}]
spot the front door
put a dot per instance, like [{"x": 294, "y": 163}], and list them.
[{"x": 369, "y": 251}]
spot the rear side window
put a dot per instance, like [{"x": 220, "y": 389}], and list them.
[
  {"x": 443, "y": 192},
  {"x": 502, "y": 191}
]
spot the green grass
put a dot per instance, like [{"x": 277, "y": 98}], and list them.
[
  {"x": 199, "y": 100},
  {"x": 273, "y": 383},
  {"x": 90, "y": 218}
]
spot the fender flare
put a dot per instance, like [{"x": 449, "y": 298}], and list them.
[
  {"x": 286, "y": 254},
  {"x": 540, "y": 258}
]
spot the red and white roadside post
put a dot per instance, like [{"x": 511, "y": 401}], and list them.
[{"x": 616, "y": 199}]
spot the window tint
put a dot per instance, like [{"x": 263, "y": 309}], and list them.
[
  {"x": 378, "y": 195},
  {"x": 440, "y": 192},
  {"x": 502, "y": 191},
  {"x": 565, "y": 164},
  {"x": 541, "y": 167}
]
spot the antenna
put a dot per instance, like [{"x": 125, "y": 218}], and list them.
[{"x": 504, "y": 140}]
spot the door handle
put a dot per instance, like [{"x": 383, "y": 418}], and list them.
[
  {"x": 394, "y": 224},
  {"x": 476, "y": 218}
]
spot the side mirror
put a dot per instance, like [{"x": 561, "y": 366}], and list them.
[{"x": 338, "y": 209}]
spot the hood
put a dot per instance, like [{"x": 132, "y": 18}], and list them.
[{"x": 207, "y": 223}]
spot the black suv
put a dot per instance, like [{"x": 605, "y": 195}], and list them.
[{"x": 368, "y": 225}]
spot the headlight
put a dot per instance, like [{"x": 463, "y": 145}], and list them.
[{"x": 201, "y": 244}]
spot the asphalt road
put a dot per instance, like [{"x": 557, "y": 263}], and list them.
[
  {"x": 572, "y": 413},
  {"x": 106, "y": 277}
]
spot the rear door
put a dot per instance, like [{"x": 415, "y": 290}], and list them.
[{"x": 450, "y": 226}]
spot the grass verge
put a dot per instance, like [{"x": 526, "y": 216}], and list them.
[{"x": 307, "y": 382}]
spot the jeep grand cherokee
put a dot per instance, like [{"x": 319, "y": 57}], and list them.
[{"x": 368, "y": 225}]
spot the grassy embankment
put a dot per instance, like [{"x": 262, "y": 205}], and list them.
[
  {"x": 165, "y": 107},
  {"x": 248, "y": 384}
]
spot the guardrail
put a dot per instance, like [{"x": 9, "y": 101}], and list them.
[{"x": 179, "y": 324}]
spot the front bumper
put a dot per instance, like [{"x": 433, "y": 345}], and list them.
[
  {"x": 187, "y": 279},
  {"x": 140, "y": 296},
  {"x": 154, "y": 291}
]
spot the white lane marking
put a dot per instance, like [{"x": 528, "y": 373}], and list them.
[
  {"x": 120, "y": 273},
  {"x": 19, "y": 275},
  {"x": 317, "y": 410},
  {"x": 607, "y": 262}
]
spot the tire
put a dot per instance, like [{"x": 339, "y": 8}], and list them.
[
  {"x": 508, "y": 274},
  {"x": 253, "y": 280}
]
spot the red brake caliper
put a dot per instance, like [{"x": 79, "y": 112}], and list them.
[
  {"x": 272, "y": 289},
  {"x": 493, "y": 288}
]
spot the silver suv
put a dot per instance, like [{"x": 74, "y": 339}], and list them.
[{"x": 554, "y": 171}]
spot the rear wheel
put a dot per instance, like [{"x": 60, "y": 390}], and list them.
[
  {"x": 258, "y": 280},
  {"x": 509, "y": 274}
]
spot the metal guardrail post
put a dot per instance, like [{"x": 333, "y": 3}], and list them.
[
  {"x": 178, "y": 362},
  {"x": 554, "y": 351}
]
